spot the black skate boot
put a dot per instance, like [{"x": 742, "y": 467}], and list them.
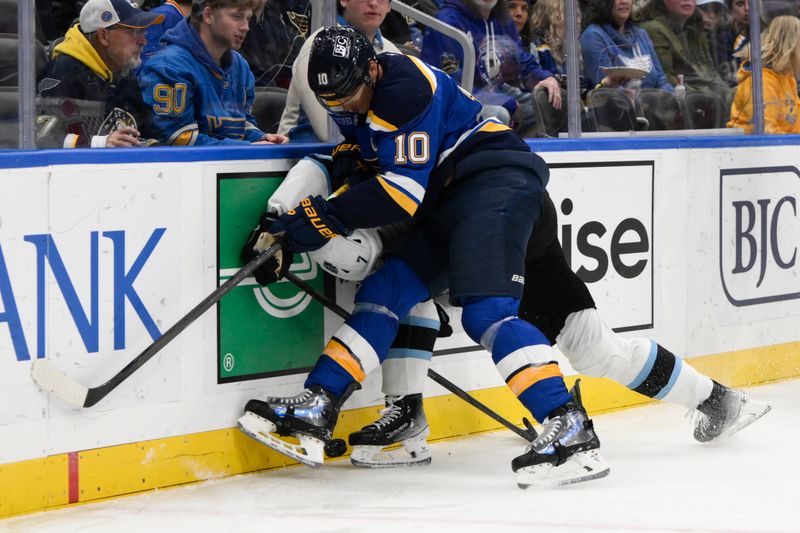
[
  {"x": 566, "y": 451},
  {"x": 725, "y": 412},
  {"x": 310, "y": 417},
  {"x": 403, "y": 421}
]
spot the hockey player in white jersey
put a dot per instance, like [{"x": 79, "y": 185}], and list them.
[{"x": 559, "y": 304}]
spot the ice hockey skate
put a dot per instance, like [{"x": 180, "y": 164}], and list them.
[
  {"x": 725, "y": 412},
  {"x": 566, "y": 451},
  {"x": 308, "y": 417},
  {"x": 402, "y": 421}
]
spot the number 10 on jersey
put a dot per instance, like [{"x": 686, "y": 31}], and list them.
[{"x": 414, "y": 147}]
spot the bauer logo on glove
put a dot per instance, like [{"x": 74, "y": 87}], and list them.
[{"x": 308, "y": 226}]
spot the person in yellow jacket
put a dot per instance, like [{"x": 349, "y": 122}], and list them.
[{"x": 780, "y": 55}]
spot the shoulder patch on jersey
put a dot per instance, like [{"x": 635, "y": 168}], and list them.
[{"x": 404, "y": 92}]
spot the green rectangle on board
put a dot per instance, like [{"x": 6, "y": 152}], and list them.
[{"x": 263, "y": 331}]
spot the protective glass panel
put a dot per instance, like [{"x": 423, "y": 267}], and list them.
[
  {"x": 779, "y": 29},
  {"x": 509, "y": 76},
  {"x": 90, "y": 89},
  {"x": 677, "y": 63},
  {"x": 546, "y": 37}
]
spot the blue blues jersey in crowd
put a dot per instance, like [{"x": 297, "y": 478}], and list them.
[
  {"x": 419, "y": 124},
  {"x": 172, "y": 16},
  {"x": 194, "y": 100}
]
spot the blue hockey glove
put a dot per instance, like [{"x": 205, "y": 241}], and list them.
[
  {"x": 259, "y": 240},
  {"x": 308, "y": 227}
]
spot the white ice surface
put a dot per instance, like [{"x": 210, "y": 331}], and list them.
[{"x": 661, "y": 480}]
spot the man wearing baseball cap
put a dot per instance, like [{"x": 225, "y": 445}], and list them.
[{"x": 92, "y": 64}]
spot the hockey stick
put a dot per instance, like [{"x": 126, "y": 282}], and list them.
[
  {"x": 52, "y": 379},
  {"x": 528, "y": 434}
]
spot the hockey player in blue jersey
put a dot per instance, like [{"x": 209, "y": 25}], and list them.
[
  {"x": 351, "y": 259},
  {"x": 198, "y": 86},
  {"x": 474, "y": 191}
]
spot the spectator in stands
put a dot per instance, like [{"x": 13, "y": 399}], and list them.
[
  {"x": 519, "y": 10},
  {"x": 416, "y": 29},
  {"x": 278, "y": 30},
  {"x": 547, "y": 35},
  {"x": 302, "y": 106},
  {"x": 200, "y": 89},
  {"x": 676, "y": 29},
  {"x": 502, "y": 66},
  {"x": 92, "y": 64},
  {"x": 65, "y": 13},
  {"x": 396, "y": 28},
  {"x": 44, "y": 11},
  {"x": 780, "y": 56},
  {"x": 713, "y": 13},
  {"x": 173, "y": 11},
  {"x": 611, "y": 39},
  {"x": 720, "y": 38},
  {"x": 739, "y": 13}
]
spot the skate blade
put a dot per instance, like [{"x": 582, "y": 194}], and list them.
[
  {"x": 583, "y": 466},
  {"x": 751, "y": 411},
  {"x": 309, "y": 451},
  {"x": 417, "y": 453}
]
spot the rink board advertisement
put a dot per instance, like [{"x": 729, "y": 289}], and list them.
[
  {"x": 696, "y": 249},
  {"x": 743, "y": 222},
  {"x": 759, "y": 230},
  {"x": 263, "y": 331},
  {"x": 606, "y": 231}
]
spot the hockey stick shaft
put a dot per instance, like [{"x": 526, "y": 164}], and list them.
[
  {"x": 52, "y": 379},
  {"x": 435, "y": 376}
]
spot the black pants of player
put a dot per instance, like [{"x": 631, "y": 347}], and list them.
[{"x": 552, "y": 290}]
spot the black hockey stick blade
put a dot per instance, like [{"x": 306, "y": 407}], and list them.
[
  {"x": 48, "y": 376},
  {"x": 528, "y": 434}
]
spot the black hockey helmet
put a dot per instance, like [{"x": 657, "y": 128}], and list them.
[{"x": 338, "y": 64}]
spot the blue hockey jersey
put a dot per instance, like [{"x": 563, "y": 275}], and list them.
[
  {"x": 194, "y": 100},
  {"x": 172, "y": 16},
  {"x": 418, "y": 125}
]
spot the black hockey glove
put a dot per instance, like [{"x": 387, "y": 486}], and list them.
[
  {"x": 348, "y": 166},
  {"x": 308, "y": 226},
  {"x": 275, "y": 268}
]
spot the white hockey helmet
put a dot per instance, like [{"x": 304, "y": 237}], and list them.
[{"x": 352, "y": 258}]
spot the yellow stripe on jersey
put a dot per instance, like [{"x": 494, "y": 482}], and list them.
[
  {"x": 184, "y": 138},
  {"x": 425, "y": 72},
  {"x": 71, "y": 140},
  {"x": 493, "y": 126},
  {"x": 381, "y": 124},
  {"x": 339, "y": 191},
  {"x": 532, "y": 375},
  {"x": 400, "y": 198},
  {"x": 339, "y": 353}
]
